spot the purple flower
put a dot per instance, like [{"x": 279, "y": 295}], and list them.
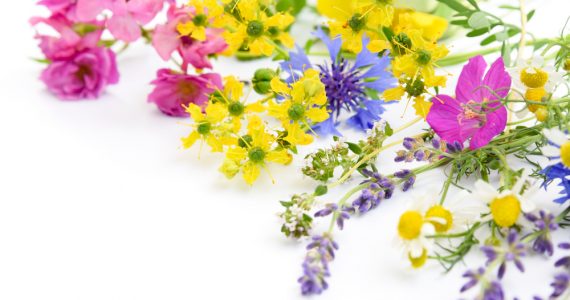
[
  {"x": 347, "y": 85},
  {"x": 514, "y": 251},
  {"x": 491, "y": 290},
  {"x": 476, "y": 113},
  {"x": 83, "y": 75},
  {"x": 380, "y": 188},
  {"x": 340, "y": 214},
  {"x": 545, "y": 224},
  {"x": 174, "y": 90},
  {"x": 321, "y": 252}
]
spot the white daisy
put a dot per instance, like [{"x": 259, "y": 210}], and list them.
[
  {"x": 506, "y": 208},
  {"x": 558, "y": 148},
  {"x": 533, "y": 73}
]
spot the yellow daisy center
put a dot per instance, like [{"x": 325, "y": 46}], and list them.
[
  {"x": 535, "y": 95},
  {"x": 505, "y": 210},
  {"x": 410, "y": 225},
  {"x": 438, "y": 211},
  {"x": 418, "y": 262},
  {"x": 565, "y": 154},
  {"x": 541, "y": 114},
  {"x": 534, "y": 80}
]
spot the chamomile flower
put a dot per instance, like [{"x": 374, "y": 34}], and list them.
[
  {"x": 209, "y": 127},
  {"x": 506, "y": 208},
  {"x": 253, "y": 151},
  {"x": 232, "y": 98},
  {"x": 454, "y": 215},
  {"x": 304, "y": 106},
  {"x": 413, "y": 229},
  {"x": 558, "y": 148},
  {"x": 533, "y": 73}
]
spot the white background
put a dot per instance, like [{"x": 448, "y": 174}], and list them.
[{"x": 98, "y": 201}]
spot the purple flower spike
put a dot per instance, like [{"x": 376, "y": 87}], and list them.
[{"x": 320, "y": 253}]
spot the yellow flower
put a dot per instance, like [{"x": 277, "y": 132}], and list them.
[
  {"x": 209, "y": 127},
  {"x": 253, "y": 151},
  {"x": 422, "y": 59},
  {"x": 432, "y": 27},
  {"x": 334, "y": 9},
  {"x": 351, "y": 29},
  {"x": 256, "y": 31},
  {"x": 206, "y": 11},
  {"x": 237, "y": 108},
  {"x": 304, "y": 105}
]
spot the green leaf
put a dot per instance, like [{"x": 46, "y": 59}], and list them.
[
  {"x": 461, "y": 22},
  {"x": 509, "y": 7},
  {"x": 474, "y": 4},
  {"x": 286, "y": 203},
  {"x": 321, "y": 190},
  {"x": 42, "y": 60},
  {"x": 477, "y": 32},
  {"x": 388, "y": 130},
  {"x": 354, "y": 148},
  {"x": 388, "y": 33},
  {"x": 292, "y": 6},
  {"x": 530, "y": 15},
  {"x": 455, "y": 5}
]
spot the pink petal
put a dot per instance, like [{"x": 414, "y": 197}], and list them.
[
  {"x": 497, "y": 80},
  {"x": 87, "y": 10},
  {"x": 165, "y": 40},
  {"x": 124, "y": 27},
  {"x": 443, "y": 118},
  {"x": 496, "y": 123},
  {"x": 469, "y": 82}
]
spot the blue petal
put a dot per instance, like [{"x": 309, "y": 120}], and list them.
[
  {"x": 381, "y": 84},
  {"x": 366, "y": 116},
  {"x": 333, "y": 45},
  {"x": 327, "y": 127},
  {"x": 380, "y": 68}
]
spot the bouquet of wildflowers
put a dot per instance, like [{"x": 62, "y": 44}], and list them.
[{"x": 501, "y": 137}]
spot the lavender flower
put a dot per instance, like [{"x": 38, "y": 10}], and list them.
[
  {"x": 380, "y": 188},
  {"x": 491, "y": 290},
  {"x": 409, "y": 178},
  {"x": 514, "y": 251},
  {"x": 545, "y": 224},
  {"x": 341, "y": 215},
  {"x": 321, "y": 251},
  {"x": 415, "y": 150}
]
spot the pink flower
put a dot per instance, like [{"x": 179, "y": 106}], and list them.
[
  {"x": 476, "y": 113},
  {"x": 76, "y": 10},
  {"x": 83, "y": 75},
  {"x": 68, "y": 42},
  {"x": 128, "y": 16},
  {"x": 166, "y": 40},
  {"x": 173, "y": 90}
]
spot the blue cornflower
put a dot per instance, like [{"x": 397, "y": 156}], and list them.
[
  {"x": 558, "y": 171},
  {"x": 348, "y": 85}
]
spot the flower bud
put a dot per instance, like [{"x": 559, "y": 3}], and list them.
[
  {"x": 567, "y": 65},
  {"x": 261, "y": 80}
]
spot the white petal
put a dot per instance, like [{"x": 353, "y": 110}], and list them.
[{"x": 551, "y": 151}]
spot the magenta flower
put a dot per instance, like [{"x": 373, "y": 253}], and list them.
[
  {"x": 173, "y": 90},
  {"x": 68, "y": 42},
  {"x": 83, "y": 75},
  {"x": 129, "y": 15},
  {"x": 476, "y": 113},
  {"x": 166, "y": 40},
  {"x": 76, "y": 10}
]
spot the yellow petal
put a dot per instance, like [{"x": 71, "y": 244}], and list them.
[
  {"x": 378, "y": 45},
  {"x": 185, "y": 28},
  {"x": 280, "y": 157},
  {"x": 422, "y": 107},
  {"x": 317, "y": 115},
  {"x": 278, "y": 86},
  {"x": 229, "y": 168},
  {"x": 280, "y": 20},
  {"x": 233, "y": 88},
  {"x": 297, "y": 136},
  {"x": 236, "y": 153},
  {"x": 286, "y": 40},
  {"x": 394, "y": 93},
  {"x": 260, "y": 46},
  {"x": 335, "y": 9},
  {"x": 250, "y": 172},
  {"x": 215, "y": 143},
  {"x": 216, "y": 112},
  {"x": 256, "y": 107},
  {"x": 189, "y": 141},
  {"x": 195, "y": 112},
  {"x": 199, "y": 33}
]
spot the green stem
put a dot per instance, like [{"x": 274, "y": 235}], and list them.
[{"x": 447, "y": 184}]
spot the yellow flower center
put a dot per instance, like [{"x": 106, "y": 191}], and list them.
[
  {"x": 438, "y": 211},
  {"x": 565, "y": 154},
  {"x": 410, "y": 225},
  {"x": 535, "y": 95},
  {"x": 505, "y": 210},
  {"x": 534, "y": 80},
  {"x": 541, "y": 114},
  {"x": 418, "y": 262}
]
